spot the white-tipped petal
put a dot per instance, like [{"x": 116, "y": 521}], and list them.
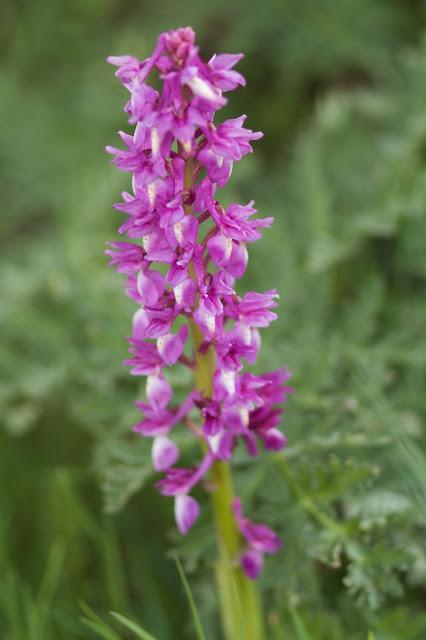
[
  {"x": 164, "y": 453},
  {"x": 187, "y": 511}
]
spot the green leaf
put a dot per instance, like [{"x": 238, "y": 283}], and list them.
[
  {"x": 95, "y": 622},
  {"x": 298, "y": 624},
  {"x": 132, "y": 626},
  {"x": 103, "y": 632},
  {"x": 195, "y": 615}
]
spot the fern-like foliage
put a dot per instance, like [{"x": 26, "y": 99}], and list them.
[{"x": 339, "y": 90}]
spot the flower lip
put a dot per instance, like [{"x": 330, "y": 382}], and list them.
[{"x": 187, "y": 511}]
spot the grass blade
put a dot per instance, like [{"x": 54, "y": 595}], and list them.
[
  {"x": 195, "y": 615},
  {"x": 51, "y": 577},
  {"x": 96, "y": 624},
  {"x": 101, "y": 631},
  {"x": 132, "y": 626},
  {"x": 298, "y": 624}
]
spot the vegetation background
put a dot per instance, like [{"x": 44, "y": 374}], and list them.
[{"x": 339, "y": 89}]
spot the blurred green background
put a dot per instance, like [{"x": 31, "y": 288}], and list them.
[{"x": 339, "y": 89}]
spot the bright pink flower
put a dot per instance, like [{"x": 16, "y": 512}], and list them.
[
  {"x": 230, "y": 140},
  {"x": 222, "y": 73},
  {"x": 253, "y": 308}
]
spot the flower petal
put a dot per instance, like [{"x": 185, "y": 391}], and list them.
[
  {"x": 158, "y": 391},
  {"x": 164, "y": 453},
  {"x": 274, "y": 439},
  {"x": 252, "y": 563},
  {"x": 170, "y": 346},
  {"x": 187, "y": 511},
  {"x": 220, "y": 249}
]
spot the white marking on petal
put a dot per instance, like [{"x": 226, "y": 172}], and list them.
[
  {"x": 187, "y": 511},
  {"x": 164, "y": 453},
  {"x": 187, "y": 146},
  {"x": 161, "y": 341},
  {"x": 178, "y": 291},
  {"x": 214, "y": 442},
  {"x": 244, "y": 417},
  {"x": 155, "y": 141},
  {"x": 210, "y": 322},
  {"x": 202, "y": 88},
  {"x": 178, "y": 229},
  {"x": 146, "y": 242},
  {"x": 228, "y": 380},
  {"x": 151, "y": 189},
  {"x": 245, "y": 333}
]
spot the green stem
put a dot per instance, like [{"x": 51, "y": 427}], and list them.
[{"x": 241, "y": 609}]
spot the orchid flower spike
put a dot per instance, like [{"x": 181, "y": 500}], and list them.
[{"x": 178, "y": 157}]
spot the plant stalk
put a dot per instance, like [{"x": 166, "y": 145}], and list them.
[{"x": 241, "y": 610}]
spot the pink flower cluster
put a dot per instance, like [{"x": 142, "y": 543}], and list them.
[{"x": 190, "y": 252}]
